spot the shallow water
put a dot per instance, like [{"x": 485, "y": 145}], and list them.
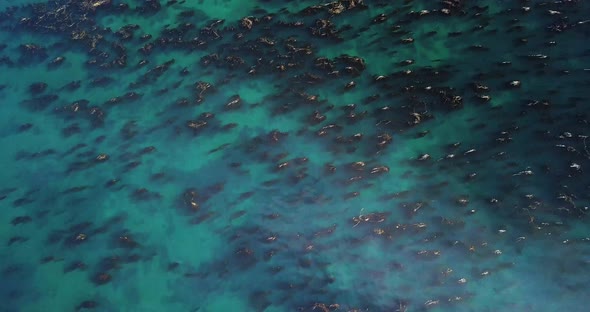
[{"x": 180, "y": 219}]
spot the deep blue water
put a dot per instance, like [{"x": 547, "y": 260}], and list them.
[{"x": 294, "y": 155}]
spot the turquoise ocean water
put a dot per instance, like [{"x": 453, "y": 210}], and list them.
[{"x": 294, "y": 155}]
